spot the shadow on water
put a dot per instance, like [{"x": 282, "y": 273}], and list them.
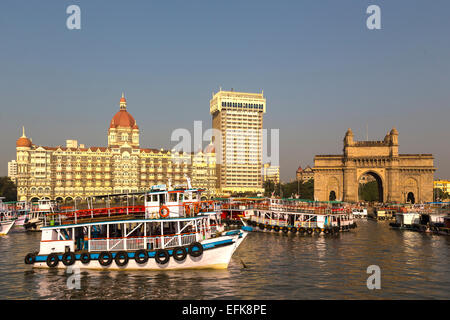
[{"x": 278, "y": 266}]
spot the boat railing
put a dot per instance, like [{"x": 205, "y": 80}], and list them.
[
  {"x": 283, "y": 223},
  {"x": 138, "y": 243},
  {"x": 74, "y": 216}
]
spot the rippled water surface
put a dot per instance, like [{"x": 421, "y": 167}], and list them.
[{"x": 278, "y": 266}]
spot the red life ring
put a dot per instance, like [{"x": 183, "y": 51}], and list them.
[{"x": 164, "y": 209}]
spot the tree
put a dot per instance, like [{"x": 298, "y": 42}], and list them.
[
  {"x": 305, "y": 190},
  {"x": 269, "y": 187},
  {"x": 8, "y": 189},
  {"x": 440, "y": 195},
  {"x": 369, "y": 191}
]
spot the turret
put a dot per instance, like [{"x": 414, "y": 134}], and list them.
[
  {"x": 348, "y": 139},
  {"x": 394, "y": 137}
]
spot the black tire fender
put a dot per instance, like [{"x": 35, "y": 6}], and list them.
[
  {"x": 141, "y": 256},
  {"x": 179, "y": 253},
  {"x": 68, "y": 258},
  {"x": 105, "y": 258},
  {"x": 121, "y": 258},
  {"x": 162, "y": 256},
  {"x": 52, "y": 260},
  {"x": 30, "y": 258},
  {"x": 199, "y": 250},
  {"x": 85, "y": 258}
]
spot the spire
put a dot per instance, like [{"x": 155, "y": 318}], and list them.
[
  {"x": 123, "y": 102},
  {"x": 23, "y": 132}
]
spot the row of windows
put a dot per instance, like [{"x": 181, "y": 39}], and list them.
[{"x": 242, "y": 105}]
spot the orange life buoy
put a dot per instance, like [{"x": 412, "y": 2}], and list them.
[{"x": 164, "y": 209}]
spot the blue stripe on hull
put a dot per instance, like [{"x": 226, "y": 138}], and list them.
[{"x": 151, "y": 254}]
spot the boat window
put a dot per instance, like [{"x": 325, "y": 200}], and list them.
[
  {"x": 162, "y": 198},
  {"x": 181, "y": 196},
  {"x": 172, "y": 197},
  {"x": 194, "y": 195}
]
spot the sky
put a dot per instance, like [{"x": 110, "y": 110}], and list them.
[{"x": 322, "y": 71}]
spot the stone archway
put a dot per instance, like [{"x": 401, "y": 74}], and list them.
[
  {"x": 396, "y": 174},
  {"x": 371, "y": 178}
]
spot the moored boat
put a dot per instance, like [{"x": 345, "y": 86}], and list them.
[
  {"x": 174, "y": 229},
  {"x": 6, "y": 219},
  {"x": 35, "y": 218},
  {"x": 359, "y": 213},
  {"x": 295, "y": 216}
]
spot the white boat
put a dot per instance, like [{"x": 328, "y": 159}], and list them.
[
  {"x": 406, "y": 220},
  {"x": 35, "y": 218},
  {"x": 359, "y": 213},
  {"x": 174, "y": 229},
  {"x": 6, "y": 219},
  {"x": 5, "y": 226},
  {"x": 292, "y": 215}
]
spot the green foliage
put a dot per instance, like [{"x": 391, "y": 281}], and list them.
[
  {"x": 269, "y": 187},
  {"x": 8, "y": 189},
  {"x": 305, "y": 190},
  {"x": 440, "y": 195},
  {"x": 369, "y": 191}
]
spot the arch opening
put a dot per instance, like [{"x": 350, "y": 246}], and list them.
[
  {"x": 370, "y": 187},
  {"x": 332, "y": 196},
  {"x": 411, "y": 199}
]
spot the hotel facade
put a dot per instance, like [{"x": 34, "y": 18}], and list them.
[
  {"x": 76, "y": 172},
  {"x": 238, "y": 116}
]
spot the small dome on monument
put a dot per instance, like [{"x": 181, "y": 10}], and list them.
[
  {"x": 394, "y": 131},
  {"x": 349, "y": 132}
]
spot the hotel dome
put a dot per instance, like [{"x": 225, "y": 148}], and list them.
[{"x": 123, "y": 118}]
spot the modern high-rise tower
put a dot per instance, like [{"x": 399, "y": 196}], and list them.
[{"x": 239, "y": 117}]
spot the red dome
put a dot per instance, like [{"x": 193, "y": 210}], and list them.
[
  {"x": 123, "y": 119},
  {"x": 23, "y": 142}
]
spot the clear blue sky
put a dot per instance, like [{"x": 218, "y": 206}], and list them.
[{"x": 321, "y": 69}]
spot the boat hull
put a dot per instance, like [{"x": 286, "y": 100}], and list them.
[
  {"x": 5, "y": 226},
  {"x": 216, "y": 255}
]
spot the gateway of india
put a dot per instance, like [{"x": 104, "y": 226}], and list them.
[
  {"x": 74, "y": 172},
  {"x": 401, "y": 178}
]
